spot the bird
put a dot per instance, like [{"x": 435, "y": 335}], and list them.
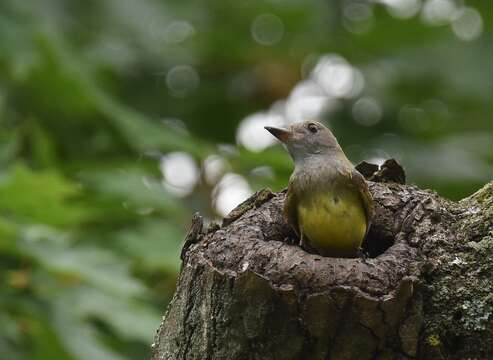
[{"x": 328, "y": 203}]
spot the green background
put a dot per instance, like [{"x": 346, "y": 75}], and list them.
[{"x": 119, "y": 119}]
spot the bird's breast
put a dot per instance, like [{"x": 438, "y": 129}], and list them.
[{"x": 333, "y": 221}]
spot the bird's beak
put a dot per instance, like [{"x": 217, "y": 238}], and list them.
[{"x": 282, "y": 134}]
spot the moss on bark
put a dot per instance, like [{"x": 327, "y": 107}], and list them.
[{"x": 245, "y": 292}]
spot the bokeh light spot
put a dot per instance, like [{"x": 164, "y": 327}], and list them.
[
  {"x": 358, "y": 17},
  {"x": 307, "y": 107},
  {"x": 182, "y": 80},
  {"x": 214, "y": 168},
  {"x": 307, "y": 100},
  {"x": 469, "y": 24},
  {"x": 357, "y": 11},
  {"x": 265, "y": 172},
  {"x": 177, "y": 32},
  {"x": 337, "y": 77},
  {"x": 367, "y": 111},
  {"x": 251, "y": 133},
  {"x": 267, "y": 29},
  {"x": 180, "y": 173},
  {"x": 230, "y": 192},
  {"x": 402, "y": 9},
  {"x": 439, "y": 12}
]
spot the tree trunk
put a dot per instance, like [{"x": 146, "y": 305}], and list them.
[{"x": 425, "y": 292}]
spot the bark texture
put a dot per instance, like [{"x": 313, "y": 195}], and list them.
[{"x": 245, "y": 292}]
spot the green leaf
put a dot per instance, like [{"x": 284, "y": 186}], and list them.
[
  {"x": 8, "y": 232},
  {"x": 78, "y": 337},
  {"x": 46, "y": 342},
  {"x": 43, "y": 197},
  {"x": 131, "y": 319},
  {"x": 42, "y": 145},
  {"x": 9, "y": 143},
  {"x": 134, "y": 188},
  {"x": 137, "y": 129},
  {"x": 101, "y": 268},
  {"x": 155, "y": 244}
]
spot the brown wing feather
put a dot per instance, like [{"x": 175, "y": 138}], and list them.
[{"x": 360, "y": 183}]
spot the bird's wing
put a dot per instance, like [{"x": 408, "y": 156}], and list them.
[
  {"x": 360, "y": 183},
  {"x": 291, "y": 209}
]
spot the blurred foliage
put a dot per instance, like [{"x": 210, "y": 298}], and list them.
[{"x": 95, "y": 94}]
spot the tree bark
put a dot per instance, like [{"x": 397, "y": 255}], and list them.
[{"x": 425, "y": 292}]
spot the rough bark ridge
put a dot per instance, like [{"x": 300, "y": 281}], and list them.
[{"x": 426, "y": 292}]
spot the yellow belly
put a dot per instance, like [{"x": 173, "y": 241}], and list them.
[{"x": 334, "y": 223}]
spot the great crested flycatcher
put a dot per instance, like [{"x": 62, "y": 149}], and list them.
[{"x": 328, "y": 203}]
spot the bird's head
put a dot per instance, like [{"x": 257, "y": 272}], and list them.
[{"x": 306, "y": 139}]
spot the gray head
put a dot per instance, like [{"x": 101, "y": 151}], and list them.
[{"x": 306, "y": 139}]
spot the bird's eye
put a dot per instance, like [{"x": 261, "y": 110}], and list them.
[{"x": 313, "y": 128}]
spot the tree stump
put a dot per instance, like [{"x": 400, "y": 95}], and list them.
[{"x": 425, "y": 292}]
